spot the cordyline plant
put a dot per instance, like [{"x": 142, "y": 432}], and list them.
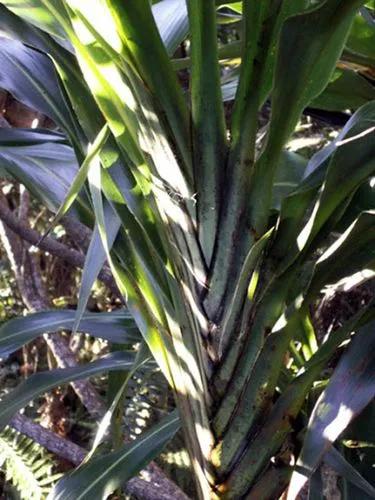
[{"x": 218, "y": 239}]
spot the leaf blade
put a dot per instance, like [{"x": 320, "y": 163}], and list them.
[
  {"x": 351, "y": 388},
  {"x": 103, "y": 475}
]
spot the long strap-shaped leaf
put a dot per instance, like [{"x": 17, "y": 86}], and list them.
[
  {"x": 134, "y": 287},
  {"x": 172, "y": 22},
  {"x": 118, "y": 116},
  {"x": 95, "y": 258},
  {"x": 351, "y": 388},
  {"x": 312, "y": 39},
  {"x": 353, "y": 252},
  {"x": 326, "y": 169},
  {"x": 46, "y": 169},
  {"x": 80, "y": 178},
  {"x": 344, "y": 469},
  {"x": 41, "y": 382},
  {"x": 31, "y": 78},
  {"x": 145, "y": 125},
  {"x": 139, "y": 33},
  {"x": 125, "y": 281},
  {"x": 117, "y": 327},
  {"x": 101, "y": 476},
  {"x": 142, "y": 356},
  {"x": 207, "y": 119},
  {"x": 34, "y": 12},
  {"x": 279, "y": 421},
  {"x": 157, "y": 147}
]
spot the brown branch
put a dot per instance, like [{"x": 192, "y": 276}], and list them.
[
  {"x": 60, "y": 446},
  {"x": 52, "y": 246}
]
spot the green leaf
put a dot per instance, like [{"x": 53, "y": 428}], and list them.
[
  {"x": 346, "y": 90},
  {"x": 289, "y": 175},
  {"x": 361, "y": 38},
  {"x": 19, "y": 29},
  {"x": 141, "y": 38},
  {"x": 95, "y": 258},
  {"x": 35, "y": 12},
  {"x": 31, "y": 78},
  {"x": 279, "y": 420},
  {"x": 133, "y": 283},
  {"x": 232, "y": 314},
  {"x": 309, "y": 40},
  {"x": 143, "y": 356},
  {"x": 73, "y": 84},
  {"x": 270, "y": 436},
  {"x": 234, "y": 6},
  {"x": 29, "y": 137},
  {"x": 295, "y": 208},
  {"x": 364, "y": 115},
  {"x": 261, "y": 29},
  {"x": 327, "y": 350},
  {"x": 352, "y": 252},
  {"x": 80, "y": 179},
  {"x": 351, "y": 388},
  {"x": 362, "y": 201},
  {"x": 172, "y": 21},
  {"x": 47, "y": 169},
  {"x": 351, "y": 164},
  {"x": 313, "y": 39},
  {"x": 208, "y": 125},
  {"x": 117, "y": 327},
  {"x": 101, "y": 476},
  {"x": 42, "y": 382},
  {"x": 26, "y": 465}
]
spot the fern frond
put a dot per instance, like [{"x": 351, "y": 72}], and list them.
[{"x": 27, "y": 465}]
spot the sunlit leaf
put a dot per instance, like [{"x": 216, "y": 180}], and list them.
[
  {"x": 350, "y": 389},
  {"x": 101, "y": 476}
]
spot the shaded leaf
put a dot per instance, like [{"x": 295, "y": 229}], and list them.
[
  {"x": 31, "y": 78},
  {"x": 346, "y": 90},
  {"x": 143, "y": 355},
  {"x": 29, "y": 137},
  {"x": 208, "y": 124},
  {"x": 353, "y": 252},
  {"x": 81, "y": 176},
  {"x": 289, "y": 175},
  {"x": 117, "y": 327},
  {"x": 361, "y": 38},
  {"x": 46, "y": 169},
  {"x": 42, "y": 382},
  {"x": 335, "y": 460},
  {"x": 290, "y": 238}
]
